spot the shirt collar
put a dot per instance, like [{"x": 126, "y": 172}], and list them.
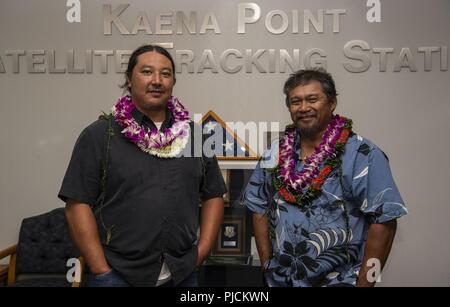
[{"x": 142, "y": 119}]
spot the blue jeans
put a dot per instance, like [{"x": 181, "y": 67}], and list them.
[
  {"x": 112, "y": 279},
  {"x": 108, "y": 279}
]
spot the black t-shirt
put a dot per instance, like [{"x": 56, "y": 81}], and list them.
[{"x": 149, "y": 211}]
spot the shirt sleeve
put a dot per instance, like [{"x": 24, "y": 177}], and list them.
[
  {"x": 213, "y": 184},
  {"x": 258, "y": 191},
  {"x": 82, "y": 181},
  {"x": 374, "y": 188},
  {"x": 256, "y": 194}
]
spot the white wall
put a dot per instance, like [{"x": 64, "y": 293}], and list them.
[{"x": 405, "y": 113}]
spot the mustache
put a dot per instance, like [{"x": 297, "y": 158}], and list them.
[
  {"x": 302, "y": 115},
  {"x": 156, "y": 88}
]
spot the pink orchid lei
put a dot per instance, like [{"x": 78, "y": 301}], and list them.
[
  {"x": 166, "y": 144},
  {"x": 289, "y": 183}
]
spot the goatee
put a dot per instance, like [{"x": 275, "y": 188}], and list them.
[{"x": 309, "y": 133}]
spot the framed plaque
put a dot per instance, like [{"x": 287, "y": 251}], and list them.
[{"x": 231, "y": 237}]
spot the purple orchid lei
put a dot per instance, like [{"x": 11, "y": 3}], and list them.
[
  {"x": 296, "y": 182},
  {"x": 166, "y": 144}
]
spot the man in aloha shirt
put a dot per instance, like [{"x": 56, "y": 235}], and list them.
[{"x": 334, "y": 238}]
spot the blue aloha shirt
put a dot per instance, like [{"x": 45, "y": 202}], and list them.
[{"x": 315, "y": 245}]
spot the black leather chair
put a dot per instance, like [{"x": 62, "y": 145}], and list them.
[{"x": 40, "y": 257}]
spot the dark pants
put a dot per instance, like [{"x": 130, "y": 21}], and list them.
[{"x": 112, "y": 279}]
